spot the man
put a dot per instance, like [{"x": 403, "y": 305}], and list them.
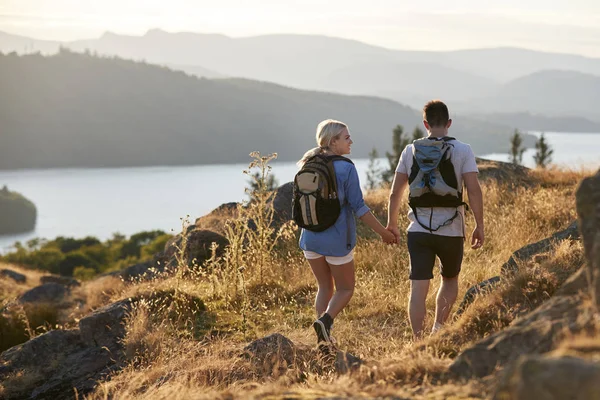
[{"x": 437, "y": 226}]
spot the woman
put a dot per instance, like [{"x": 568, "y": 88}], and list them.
[{"x": 330, "y": 252}]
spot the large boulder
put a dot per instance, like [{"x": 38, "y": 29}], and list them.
[
  {"x": 503, "y": 172},
  {"x": 550, "y": 378},
  {"x": 282, "y": 203},
  {"x": 276, "y": 353},
  {"x": 46, "y": 293},
  {"x": 61, "y": 280},
  {"x": 527, "y": 252},
  {"x": 15, "y": 276},
  {"x": 588, "y": 209},
  {"x": 62, "y": 362},
  {"x": 198, "y": 247},
  {"x": 105, "y": 327},
  {"x": 535, "y": 333},
  {"x": 481, "y": 288},
  {"x": 563, "y": 315}
]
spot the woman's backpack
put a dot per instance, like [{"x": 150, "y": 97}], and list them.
[{"x": 315, "y": 204}]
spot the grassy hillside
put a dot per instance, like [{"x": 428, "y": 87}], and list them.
[
  {"x": 78, "y": 110},
  {"x": 249, "y": 297}
]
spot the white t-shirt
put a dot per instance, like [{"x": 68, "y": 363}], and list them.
[{"x": 463, "y": 160}]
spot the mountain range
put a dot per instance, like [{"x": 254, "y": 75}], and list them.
[
  {"x": 81, "y": 110},
  {"x": 482, "y": 81}
]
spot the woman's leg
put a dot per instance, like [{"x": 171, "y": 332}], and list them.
[
  {"x": 322, "y": 273},
  {"x": 343, "y": 276}
]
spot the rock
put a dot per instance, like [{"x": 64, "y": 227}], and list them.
[
  {"x": 482, "y": 287},
  {"x": 62, "y": 362},
  {"x": 15, "y": 276},
  {"x": 549, "y": 378},
  {"x": 282, "y": 203},
  {"x": 575, "y": 284},
  {"x": 61, "y": 280},
  {"x": 277, "y": 353},
  {"x": 215, "y": 220},
  {"x": 535, "y": 333},
  {"x": 588, "y": 210},
  {"x": 198, "y": 247},
  {"x": 511, "y": 266},
  {"x": 274, "y": 349},
  {"x": 503, "y": 172},
  {"x": 105, "y": 326},
  {"x": 38, "y": 350},
  {"x": 47, "y": 293}
]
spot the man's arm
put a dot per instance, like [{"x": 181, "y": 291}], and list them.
[
  {"x": 398, "y": 187},
  {"x": 476, "y": 203}
]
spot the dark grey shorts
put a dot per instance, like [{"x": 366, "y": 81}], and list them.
[{"x": 424, "y": 247}]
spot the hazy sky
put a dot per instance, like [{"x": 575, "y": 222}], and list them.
[{"x": 571, "y": 26}]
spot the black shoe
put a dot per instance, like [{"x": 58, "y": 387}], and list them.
[
  {"x": 321, "y": 331},
  {"x": 322, "y": 328}
]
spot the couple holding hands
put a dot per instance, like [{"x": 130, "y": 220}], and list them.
[{"x": 434, "y": 169}]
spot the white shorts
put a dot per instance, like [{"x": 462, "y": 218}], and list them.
[{"x": 311, "y": 255}]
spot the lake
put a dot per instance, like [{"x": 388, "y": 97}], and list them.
[{"x": 100, "y": 202}]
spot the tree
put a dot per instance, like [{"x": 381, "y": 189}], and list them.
[
  {"x": 516, "y": 148},
  {"x": 398, "y": 145},
  {"x": 258, "y": 183},
  {"x": 373, "y": 172},
  {"x": 418, "y": 133},
  {"x": 543, "y": 153}
]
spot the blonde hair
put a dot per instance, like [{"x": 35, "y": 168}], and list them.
[{"x": 326, "y": 131}]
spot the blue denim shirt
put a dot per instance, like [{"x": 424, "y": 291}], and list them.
[{"x": 340, "y": 238}]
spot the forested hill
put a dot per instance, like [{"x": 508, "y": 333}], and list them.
[{"x": 78, "y": 110}]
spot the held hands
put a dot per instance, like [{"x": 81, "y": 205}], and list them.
[
  {"x": 391, "y": 235},
  {"x": 388, "y": 237},
  {"x": 477, "y": 237}
]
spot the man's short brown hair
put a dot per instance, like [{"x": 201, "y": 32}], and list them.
[{"x": 436, "y": 113}]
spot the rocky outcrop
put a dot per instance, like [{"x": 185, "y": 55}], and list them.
[
  {"x": 588, "y": 209},
  {"x": 197, "y": 248},
  {"x": 563, "y": 315},
  {"x": 502, "y": 172},
  {"x": 15, "y": 276},
  {"x": 105, "y": 326},
  {"x": 282, "y": 203},
  {"x": 61, "y": 280},
  {"x": 64, "y": 360},
  {"x": 276, "y": 353},
  {"x": 529, "y": 251},
  {"x": 537, "y": 332},
  {"x": 549, "y": 378},
  {"x": 481, "y": 288},
  {"x": 525, "y": 253},
  {"x": 46, "y": 293}
]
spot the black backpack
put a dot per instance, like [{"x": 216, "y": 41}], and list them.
[{"x": 315, "y": 204}]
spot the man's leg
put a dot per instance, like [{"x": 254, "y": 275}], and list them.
[
  {"x": 422, "y": 260},
  {"x": 446, "y": 297},
  {"x": 416, "y": 306},
  {"x": 450, "y": 251}
]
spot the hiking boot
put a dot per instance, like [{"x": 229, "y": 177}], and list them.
[{"x": 322, "y": 328}]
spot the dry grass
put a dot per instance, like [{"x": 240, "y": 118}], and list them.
[{"x": 248, "y": 297}]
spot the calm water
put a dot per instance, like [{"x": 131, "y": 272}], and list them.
[{"x": 100, "y": 202}]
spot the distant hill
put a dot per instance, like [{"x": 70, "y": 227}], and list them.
[
  {"x": 552, "y": 93},
  {"x": 413, "y": 83},
  {"x": 536, "y": 122},
  {"x": 77, "y": 110},
  {"x": 333, "y": 64}
]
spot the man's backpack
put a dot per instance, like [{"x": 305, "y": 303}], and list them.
[
  {"x": 315, "y": 204},
  {"x": 432, "y": 181}
]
